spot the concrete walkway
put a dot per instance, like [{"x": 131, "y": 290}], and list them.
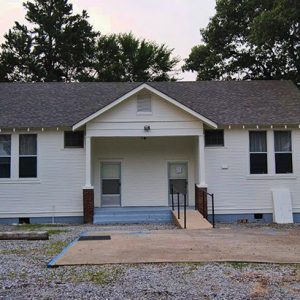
[
  {"x": 262, "y": 244},
  {"x": 194, "y": 220}
]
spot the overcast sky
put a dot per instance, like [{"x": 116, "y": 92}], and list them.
[{"x": 173, "y": 22}]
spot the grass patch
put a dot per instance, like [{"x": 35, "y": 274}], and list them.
[
  {"x": 56, "y": 231},
  {"x": 56, "y": 247},
  {"x": 102, "y": 276},
  {"x": 14, "y": 252},
  {"x": 238, "y": 265},
  {"x": 37, "y": 226}
]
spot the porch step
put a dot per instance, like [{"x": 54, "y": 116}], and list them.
[
  {"x": 194, "y": 220},
  {"x": 132, "y": 215}
]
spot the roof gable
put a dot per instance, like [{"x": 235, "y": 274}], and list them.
[{"x": 135, "y": 91}]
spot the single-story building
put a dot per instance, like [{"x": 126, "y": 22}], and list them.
[{"x": 71, "y": 150}]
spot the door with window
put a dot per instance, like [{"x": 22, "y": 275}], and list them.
[
  {"x": 178, "y": 182},
  {"x": 110, "y": 184}
]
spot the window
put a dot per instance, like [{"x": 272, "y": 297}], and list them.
[
  {"x": 27, "y": 155},
  {"x": 258, "y": 152},
  {"x": 74, "y": 139},
  {"x": 5, "y": 152},
  {"x": 144, "y": 103},
  {"x": 283, "y": 152},
  {"x": 214, "y": 137}
]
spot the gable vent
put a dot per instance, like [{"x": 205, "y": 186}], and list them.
[{"x": 144, "y": 103}]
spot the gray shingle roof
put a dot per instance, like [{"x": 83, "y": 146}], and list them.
[{"x": 223, "y": 102}]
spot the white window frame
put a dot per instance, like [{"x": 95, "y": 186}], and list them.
[
  {"x": 283, "y": 152},
  {"x": 6, "y": 156},
  {"x": 31, "y": 155},
  {"x": 250, "y": 152}
]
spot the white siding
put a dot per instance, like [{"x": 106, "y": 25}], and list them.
[
  {"x": 144, "y": 166},
  {"x": 58, "y": 186},
  {"x": 165, "y": 120},
  {"x": 236, "y": 191}
]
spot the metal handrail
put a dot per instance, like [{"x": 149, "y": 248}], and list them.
[
  {"x": 178, "y": 204},
  {"x": 212, "y": 205}
]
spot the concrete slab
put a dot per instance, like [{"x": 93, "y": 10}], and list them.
[
  {"x": 194, "y": 220},
  {"x": 244, "y": 245}
]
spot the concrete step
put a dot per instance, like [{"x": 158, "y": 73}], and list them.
[
  {"x": 132, "y": 215},
  {"x": 194, "y": 220}
]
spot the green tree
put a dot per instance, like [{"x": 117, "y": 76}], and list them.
[
  {"x": 59, "y": 46},
  {"x": 16, "y": 60},
  {"x": 123, "y": 57},
  {"x": 249, "y": 39}
]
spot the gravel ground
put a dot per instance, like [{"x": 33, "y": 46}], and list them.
[{"x": 24, "y": 275}]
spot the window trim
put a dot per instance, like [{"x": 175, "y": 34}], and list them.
[
  {"x": 215, "y": 145},
  {"x": 8, "y": 156},
  {"x": 27, "y": 155},
  {"x": 74, "y": 147},
  {"x": 255, "y": 152},
  {"x": 284, "y": 152}
]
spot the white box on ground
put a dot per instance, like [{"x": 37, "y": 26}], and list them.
[{"x": 282, "y": 206}]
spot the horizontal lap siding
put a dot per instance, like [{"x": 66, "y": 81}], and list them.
[
  {"x": 59, "y": 183},
  {"x": 165, "y": 120},
  {"x": 234, "y": 191},
  {"x": 144, "y": 164}
]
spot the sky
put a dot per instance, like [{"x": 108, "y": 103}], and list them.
[{"x": 173, "y": 22}]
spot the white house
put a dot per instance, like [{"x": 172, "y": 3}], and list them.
[{"x": 72, "y": 150}]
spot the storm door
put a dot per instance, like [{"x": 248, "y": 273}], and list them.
[
  {"x": 110, "y": 184},
  {"x": 178, "y": 179}
]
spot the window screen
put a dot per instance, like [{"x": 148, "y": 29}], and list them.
[
  {"x": 27, "y": 155},
  {"x": 283, "y": 152},
  {"x": 74, "y": 139},
  {"x": 258, "y": 152},
  {"x": 144, "y": 103},
  {"x": 214, "y": 137},
  {"x": 5, "y": 153}
]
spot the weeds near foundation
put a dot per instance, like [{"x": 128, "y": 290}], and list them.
[{"x": 36, "y": 226}]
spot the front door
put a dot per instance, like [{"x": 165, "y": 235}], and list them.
[
  {"x": 110, "y": 184},
  {"x": 178, "y": 179}
]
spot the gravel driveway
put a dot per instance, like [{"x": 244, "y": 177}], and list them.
[{"x": 24, "y": 275}]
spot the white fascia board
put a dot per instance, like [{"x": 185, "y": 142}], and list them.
[{"x": 136, "y": 90}]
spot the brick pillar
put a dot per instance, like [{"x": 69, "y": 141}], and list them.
[
  {"x": 88, "y": 205},
  {"x": 201, "y": 200}
]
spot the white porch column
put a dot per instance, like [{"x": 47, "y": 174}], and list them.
[
  {"x": 88, "y": 162},
  {"x": 201, "y": 161}
]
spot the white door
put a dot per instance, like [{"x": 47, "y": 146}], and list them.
[
  {"x": 178, "y": 180},
  {"x": 110, "y": 184}
]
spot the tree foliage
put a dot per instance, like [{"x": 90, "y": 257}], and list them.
[
  {"x": 59, "y": 45},
  {"x": 123, "y": 57},
  {"x": 250, "y": 39}
]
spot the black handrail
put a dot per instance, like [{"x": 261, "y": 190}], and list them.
[
  {"x": 185, "y": 210},
  {"x": 172, "y": 193},
  {"x": 212, "y": 206},
  {"x": 178, "y": 204}
]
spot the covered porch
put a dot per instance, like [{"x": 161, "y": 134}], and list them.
[{"x": 137, "y": 174}]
